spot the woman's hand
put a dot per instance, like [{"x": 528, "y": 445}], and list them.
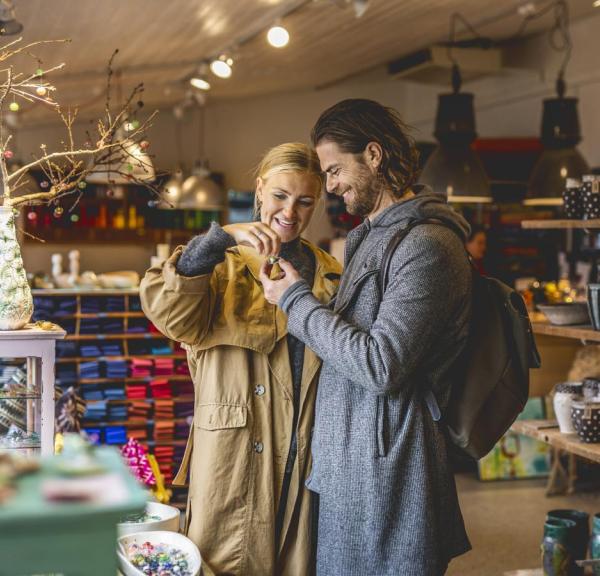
[{"x": 256, "y": 235}]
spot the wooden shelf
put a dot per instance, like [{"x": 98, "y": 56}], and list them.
[
  {"x": 547, "y": 431},
  {"x": 77, "y": 359},
  {"x": 176, "y": 400},
  {"x": 132, "y": 422},
  {"x": 173, "y": 377},
  {"x": 582, "y": 332},
  {"x": 102, "y": 315},
  {"x": 112, "y": 236},
  {"x": 144, "y": 336},
  {"x": 561, "y": 224}
]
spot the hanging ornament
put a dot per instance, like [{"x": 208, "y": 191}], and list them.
[
  {"x": 140, "y": 104},
  {"x": 39, "y": 72},
  {"x": 110, "y": 192},
  {"x": 58, "y": 211},
  {"x": 41, "y": 91},
  {"x": 8, "y": 154},
  {"x": 130, "y": 167},
  {"x": 144, "y": 144},
  {"x": 82, "y": 185},
  {"x": 31, "y": 215},
  {"x": 44, "y": 184},
  {"x": 152, "y": 203},
  {"x": 14, "y": 106},
  {"x": 74, "y": 218}
]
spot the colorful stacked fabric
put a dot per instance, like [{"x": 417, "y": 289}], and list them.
[
  {"x": 139, "y": 409},
  {"x": 116, "y": 368},
  {"x": 160, "y": 388},
  {"x": 182, "y": 430},
  {"x": 141, "y": 368},
  {"x": 184, "y": 388},
  {"x": 95, "y": 435},
  {"x": 89, "y": 350},
  {"x": 116, "y": 412},
  {"x": 89, "y": 369},
  {"x": 164, "y": 456},
  {"x": 96, "y": 410},
  {"x": 111, "y": 348},
  {"x": 115, "y": 435},
  {"x": 182, "y": 368},
  {"x": 92, "y": 392},
  {"x": 164, "y": 430},
  {"x": 114, "y": 392},
  {"x": 159, "y": 347},
  {"x": 136, "y": 391},
  {"x": 163, "y": 366},
  {"x": 164, "y": 409}
]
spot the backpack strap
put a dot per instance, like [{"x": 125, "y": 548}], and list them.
[{"x": 393, "y": 244}]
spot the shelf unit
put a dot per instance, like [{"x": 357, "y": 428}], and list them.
[
  {"x": 547, "y": 431},
  {"x": 584, "y": 333},
  {"x": 561, "y": 224},
  {"x": 27, "y": 403},
  {"x": 118, "y": 372}
]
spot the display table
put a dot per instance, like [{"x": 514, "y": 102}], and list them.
[
  {"x": 72, "y": 539},
  {"x": 37, "y": 347}
]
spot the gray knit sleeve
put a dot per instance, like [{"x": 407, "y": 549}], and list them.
[{"x": 204, "y": 252}]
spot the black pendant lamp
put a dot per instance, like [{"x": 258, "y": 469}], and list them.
[
  {"x": 560, "y": 159},
  {"x": 454, "y": 169}
]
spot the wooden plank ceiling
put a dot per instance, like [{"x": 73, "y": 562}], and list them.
[{"x": 161, "y": 42}]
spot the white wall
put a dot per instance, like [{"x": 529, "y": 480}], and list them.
[{"x": 238, "y": 132}]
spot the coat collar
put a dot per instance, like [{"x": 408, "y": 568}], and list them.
[{"x": 326, "y": 280}]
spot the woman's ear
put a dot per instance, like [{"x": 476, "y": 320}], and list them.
[
  {"x": 373, "y": 155},
  {"x": 259, "y": 188}
]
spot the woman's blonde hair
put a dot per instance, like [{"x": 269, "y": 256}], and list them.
[{"x": 288, "y": 157}]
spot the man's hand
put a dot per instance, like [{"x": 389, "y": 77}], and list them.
[{"x": 274, "y": 289}]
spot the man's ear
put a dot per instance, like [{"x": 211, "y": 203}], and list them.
[{"x": 373, "y": 155}]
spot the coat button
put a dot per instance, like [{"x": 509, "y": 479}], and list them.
[
  {"x": 258, "y": 447},
  {"x": 259, "y": 390}
]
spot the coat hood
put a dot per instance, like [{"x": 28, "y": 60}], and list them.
[{"x": 425, "y": 204}]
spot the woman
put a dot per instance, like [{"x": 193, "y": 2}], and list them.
[
  {"x": 476, "y": 245},
  {"x": 255, "y": 385}
]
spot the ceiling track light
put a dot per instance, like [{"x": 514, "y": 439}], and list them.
[
  {"x": 278, "y": 36},
  {"x": 200, "y": 82},
  {"x": 221, "y": 66}
]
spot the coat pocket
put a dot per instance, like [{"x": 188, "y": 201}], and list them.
[
  {"x": 218, "y": 416},
  {"x": 381, "y": 426}
]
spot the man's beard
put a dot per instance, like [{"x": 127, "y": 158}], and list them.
[{"x": 366, "y": 191}]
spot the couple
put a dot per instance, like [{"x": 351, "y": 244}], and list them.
[{"x": 368, "y": 491}]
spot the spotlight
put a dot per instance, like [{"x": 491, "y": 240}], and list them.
[
  {"x": 278, "y": 36},
  {"x": 221, "y": 67},
  {"x": 200, "y": 82}
]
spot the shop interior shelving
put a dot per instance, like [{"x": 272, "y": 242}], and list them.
[
  {"x": 112, "y": 407},
  {"x": 561, "y": 224},
  {"x": 547, "y": 430}
]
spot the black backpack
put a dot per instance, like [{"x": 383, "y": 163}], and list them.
[{"x": 491, "y": 377}]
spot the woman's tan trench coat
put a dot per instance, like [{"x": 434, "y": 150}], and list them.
[{"x": 238, "y": 358}]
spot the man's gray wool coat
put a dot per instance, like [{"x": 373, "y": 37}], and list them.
[{"x": 388, "y": 502}]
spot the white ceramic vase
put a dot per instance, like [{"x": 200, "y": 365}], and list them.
[
  {"x": 16, "y": 303},
  {"x": 564, "y": 395}
]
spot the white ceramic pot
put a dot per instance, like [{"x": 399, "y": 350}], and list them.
[
  {"x": 16, "y": 303},
  {"x": 564, "y": 395},
  {"x": 167, "y": 519}
]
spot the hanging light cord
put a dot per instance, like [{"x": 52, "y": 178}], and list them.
[{"x": 559, "y": 36}]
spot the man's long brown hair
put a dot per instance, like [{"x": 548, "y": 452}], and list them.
[{"x": 353, "y": 123}]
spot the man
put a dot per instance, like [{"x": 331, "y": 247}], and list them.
[{"x": 388, "y": 502}]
